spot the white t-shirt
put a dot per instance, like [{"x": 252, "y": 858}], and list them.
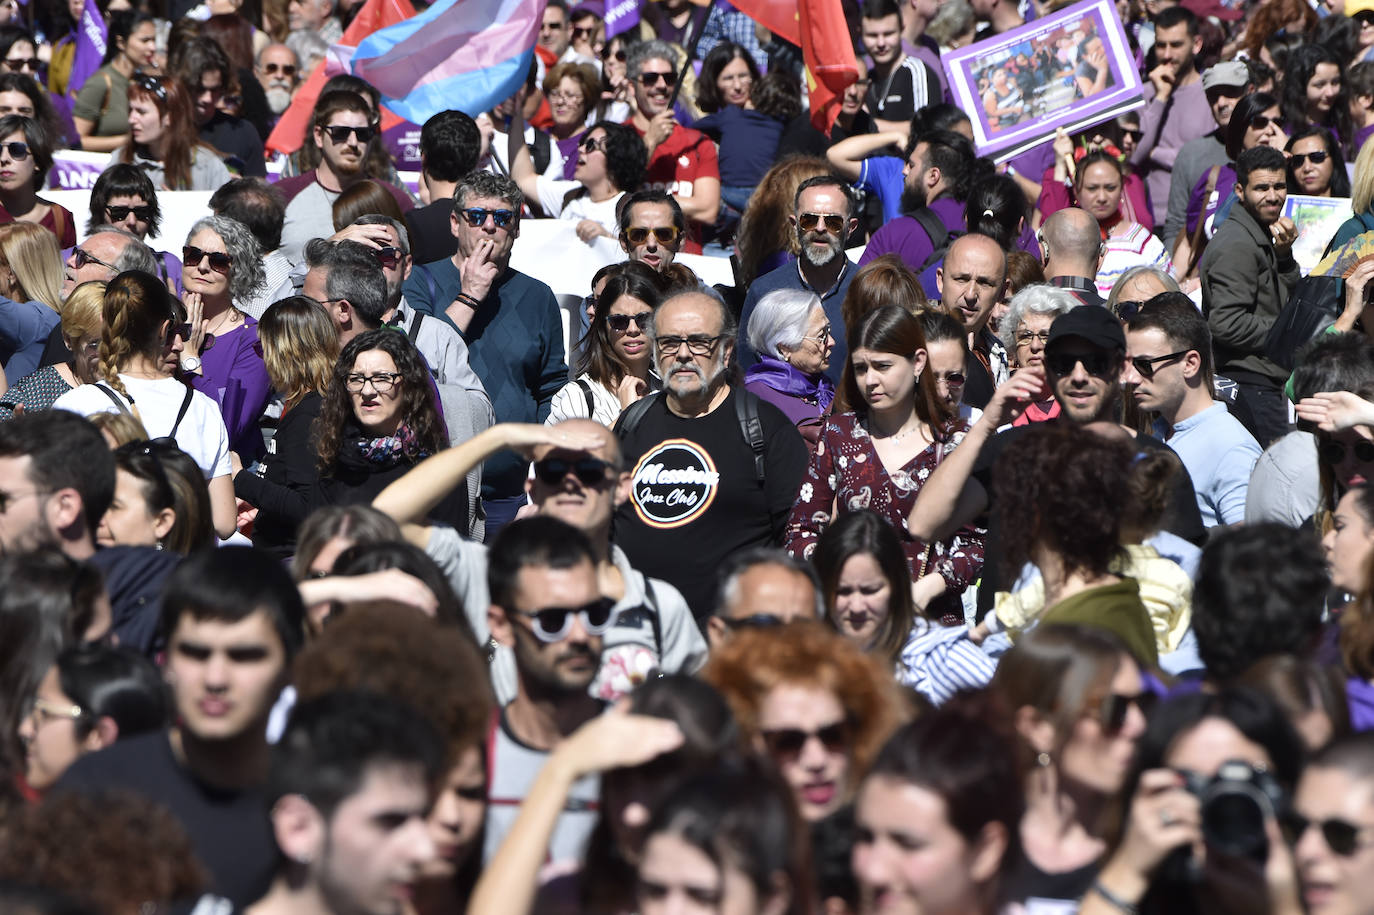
[
  {"x": 553, "y": 190},
  {"x": 202, "y": 433}
]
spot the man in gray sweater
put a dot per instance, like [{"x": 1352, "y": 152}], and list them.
[{"x": 1225, "y": 83}]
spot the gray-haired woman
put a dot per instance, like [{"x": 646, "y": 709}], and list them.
[
  {"x": 1026, "y": 329},
  {"x": 222, "y": 265},
  {"x": 791, "y": 335}
]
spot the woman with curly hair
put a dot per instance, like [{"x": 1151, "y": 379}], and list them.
[
  {"x": 163, "y": 138},
  {"x": 300, "y": 345},
  {"x": 814, "y": 702},
  {"x": 222, "y": 268},
  {"x": 378, "y": 419},
  {"x": 879, "y": 455},
  {"x": 1312, "y": 93},
  {"x": 766, "y": 239}
]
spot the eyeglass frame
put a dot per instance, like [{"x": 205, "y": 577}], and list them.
[
  {"x": 84, "y": 257},
  {"x": 1145, "y": 366},
  {"x": 54, "y": 711},
  {"x": 357, "y": 386},
  {"x": 691, "y": 343},
  {"x": 569, "y": 614}
]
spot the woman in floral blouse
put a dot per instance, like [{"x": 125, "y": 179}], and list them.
[{"x": 878, "y": 457}]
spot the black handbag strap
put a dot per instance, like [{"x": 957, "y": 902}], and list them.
[
  {"x": 115, "y": 397},
  {"x": 185, "y": 405}
]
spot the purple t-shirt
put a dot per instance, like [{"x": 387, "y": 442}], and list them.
[
  {"x": 234, "y": 376},
  {"x": 904, "y": 236}
]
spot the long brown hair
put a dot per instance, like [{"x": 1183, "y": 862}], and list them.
[
  {"x": 137, "y": 305},
  {"x": 173, "y": 101},
  {"x": 300, "y": 347},
  {"x": 598, "y": 358},
  {"x": 764, "y": 229},
  {"x": 893, "y": 329},
  {"x": 1357, "y": 619}
]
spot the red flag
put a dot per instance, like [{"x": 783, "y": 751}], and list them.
[
  {"x": 777, "y": 16},
  {"x": 289, "y": 133},
  {"x": 820, "y": 28}
]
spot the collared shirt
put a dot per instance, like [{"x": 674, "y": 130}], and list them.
[
  {"x": 1220, "y": 455},
  {"x": 1083, "y": 289}
]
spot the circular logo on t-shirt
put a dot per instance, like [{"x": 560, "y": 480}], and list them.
[{"x": 674, "y": 483}]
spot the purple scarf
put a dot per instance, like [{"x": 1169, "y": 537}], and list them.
[{"x": 782, "y": 377}]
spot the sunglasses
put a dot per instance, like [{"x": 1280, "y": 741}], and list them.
[
  {"x": 638, "y": 235},
  {"x": 788, "y": 743},
  {"x": 589, "y": 471},
  {"x": 552, "y": 624},
  {"x": 184, "y": 331},
  {"x": 834, "y": 222},
  {"x": 388, "y": 257},
  {"x": 593, "y": 144},
  {"x": 753, "y": 621},
  {"x": 621, "y": 323},
  {"x": 1260, "y": 122},
  {"x": 283, "y": 69},
  {"x": 651, "y": 78},
  {"x": 1127, "y": 310},
  {"x": 220, "y": 262},
  {"x": 953, "y": 379},
  {"x": 477, "y": 216},
  {"x": 1099, "y": 365},
  {"x": 1116, "y": 707},
  {"x": 338, "y": 133},
  {"x": 1342, "y": 836},
  {"x": 1145, "y": 365},
  {"x": 16, "y": 64},
  {"x": 618, "y": 54},
  {"x": 82, "y": 257},
  {"x": 17, "y": 151},
  {"x": 121, "y": 213},
  {"x": 152, "y": 84},
  {"x": 583, "y": 33},
  {"x": 1297, "y": 160},
  {"x": 1333, "y": 452}
]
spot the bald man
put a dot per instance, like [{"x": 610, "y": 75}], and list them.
[
  {"x": 972, "y": 279},
  {"x": 1071, "y": 249},
  {"x": 579, "y": 478}
]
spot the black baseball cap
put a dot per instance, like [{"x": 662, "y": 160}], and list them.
[{"x": 1093, "y": 323}]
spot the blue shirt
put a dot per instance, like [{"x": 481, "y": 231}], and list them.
[
  {"x": 788, "y": 276},
  {"x": 1219, "y": 454},
  {"x": 515, "y": 345},
  {"x": 748, "y": 143},
  {"x": 24, "y": 330},
  {"x": 882, "y": 177}
]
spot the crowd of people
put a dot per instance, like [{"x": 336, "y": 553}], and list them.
[{"x": 1019, "y": 564}]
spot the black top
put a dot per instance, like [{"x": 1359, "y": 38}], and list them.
[
  {"x": 1040, "y": 890},
  {"x": 134, "y": 577},
  {"x": 238, "y": 138},
  {"x": 282, "y": 493},
  {"x": 431, "y": 235}
]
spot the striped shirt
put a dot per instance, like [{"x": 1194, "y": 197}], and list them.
[
  {"x": 939, "y": 661},
  {"x": 1136, "y": 247}
]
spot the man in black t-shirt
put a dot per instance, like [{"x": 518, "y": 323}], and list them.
[
  {"x": 699, "y": 491},
  {"x": 899, "y": 85}
]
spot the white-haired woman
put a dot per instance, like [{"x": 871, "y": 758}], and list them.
[
  {"x": 1137, "y": 286},
  {"x": 791, "y": 335},
  {"x": 222, "y": 265},
  {"x": 1026, "y": 329}
]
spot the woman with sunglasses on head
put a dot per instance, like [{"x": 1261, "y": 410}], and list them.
[
  {"x": 30, "y": 295},
  {"x": 160, "y": 500},
  {"x": 163, "y": 139},
  {"x": 791, "y": 336},
  {"x": 222, "y": 265},
  {"x": 143, "y": 333},
  {"x": 1076, "y": 698},
  {"x": 615, "y": 366},
  {"x": 101, "y": 109},
  {"x": 124, "y": 196},
  {"x": 25, "y": 157},
  {"x": 879, "y": 455},
  {"x": 1316, "y": 167},
  {"x": 40, "y": 389},
  {"x": 814, "y": 702}
]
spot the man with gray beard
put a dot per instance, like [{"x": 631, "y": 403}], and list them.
[
  {"x": 279, "y": 72},
  {"x": 823, "y": 218}
]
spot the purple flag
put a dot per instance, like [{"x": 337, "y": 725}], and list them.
[
  {"x": 90, "y": 47},
  {"x": 621, "y": 15}
]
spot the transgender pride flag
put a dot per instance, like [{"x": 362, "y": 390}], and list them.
[{"x": 462, "y": 54}]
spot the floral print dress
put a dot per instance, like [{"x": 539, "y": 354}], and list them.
[{"x": 846, "y": 475}]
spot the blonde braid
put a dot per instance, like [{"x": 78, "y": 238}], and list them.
[{"x": 114, "y": 355}]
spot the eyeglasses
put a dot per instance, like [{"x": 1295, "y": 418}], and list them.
[
  {"x": 1333, "y": 452},
  {"x": 1297, "y": 160},
  {"x": 572, "y": 98},
  {"x": 477, "y": 216},
  {"x": 1260, "y": 122},
  {"x": 953, "y": 379},
  {"x": 1145, "y": 365},
  {"x": 1026, "y": 337},
  {"x": 651, "y": 77},
  {"x": 621, "y": 323},
  {"x": 834, "y": 222},
  {"x": 1115, "y": 708},
  {"x": 17, "y": 64},
  {"x": 552, "y": 624},
  {"x": 589, "y": 471},
  {"x": 1342, "y": 836},
  {"x": 552, "y": 26},
  {"x": 1099, "y": 364},
  {"x": 587, "y": 32},
  {"x": 191, "y": 256},
  {"x": 618, "y": 54},
  {"x": 388, "y": 256},
  {"x": 121, "y": 213},
  {"x": 820, "y": 336},
  {"x": 338, "y": 133},
  {"x": 788, "y": 743},
  {"x": 666, "y": 235},
  {"x": 44, "y": 710},
  {"x": 81, "y": 257},
  {"x": 696, "y": 345},
  {"x": 8, "y": 499},
  {"x": 382, "y": 382},
  {"x": 17, "y": 151},
  {"x": 184, "y": 331},
  {"x": 283, "y": 69},
  {"x": 1127, "y": 310},
  {"x": 593, "y": 144}
]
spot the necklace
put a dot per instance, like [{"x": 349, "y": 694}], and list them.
[
  {"x": 903, "y": 433},
  {"x": 230, "y": 316}
]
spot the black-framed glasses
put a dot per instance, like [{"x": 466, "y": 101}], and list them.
[
  {"x": 191, "y": 256},
  {"x": 184, "y": 331},
  {"x": 621, "y": 323},
  {"x": 338, "y": 133},
  {"x": 1115, "y": 708},
  {"x": 1317, "y": 157},
  {"x": 593, "y": 144},
  {"x": 477, "y": 216},
  {"x": 284, "y": 69},
  {"x": 1333, "y": 452},
  {"x": 19, "y": 64},
  {"x": 17, "y": 151},
  {"x": 666, "y": 235},
  {"x": 121, "y": 213},
  {"x": 1127, "y": 310},
  {"x": 1341, "y": 836},
  {"x": 788, "y": 743},
  {"x": 590, "y": 471},
  {"x": 552, "y": 624},
  {"x": 82, "y": 257},
  {"x": 1098, "y": 364},
  {"x": 1027, "y": 337},
  {"x": 1145, "y": 365},
  {"x": 1261, "y": 121},
  {"x": 697, "y": 345},
  {"x": 586, "y": 32},
  {"x": 388, "y": 256},
  {"x": 652, "y": 77},
  {"x": 618, "y": 54},
  {"x": 834, "y": 222},
  {"x": 382, "y": 382}
]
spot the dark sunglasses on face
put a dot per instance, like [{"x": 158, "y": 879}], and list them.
[
  {"x": 753, "y": 621},
  {"x": 589, "y": 471},
  {"x": 284, "y": 69},
  {"x": 621, "y": 323},
  {"x": 638, "y": 235},
  {"x": 220, "y": 262},
  {"x": 1342, "y": 836},
  {"x": 834, "y": 222},
  {"x": 17, "y": 151},
  {"x": 618, "y": 54},
  {"x": 953, "y": 379},
  {"x": 121, "y": 213},
  {"x": 1145, "y": 365},
  {"x": 16, "y": 64},
  {"x": 649, "y": 78},
  {"x": 338, "y": 133},
  {"x": 583, "y": 33},
  {"x": 477, "y": 216},
  {"x": 1097, "y": 364},
  {"x": 388, "y": 257},
  {"x": 1116, "y": 707},
  {"x": 552, "y": 624},
  {"x": 83, "y": 257},
  {"x": 1126, "y": 311},
  {"x": 788, "y": 743},
  {"x": 1333, "y": 452},
  {"x": 184, "y": 331},
  {"x": 1260, "y": 122},
  {"x": 593, "y": 144},
  {"x": 1297, "y": 160}
]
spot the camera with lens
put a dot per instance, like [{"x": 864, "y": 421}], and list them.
[{"x": 1235, "y": 804}]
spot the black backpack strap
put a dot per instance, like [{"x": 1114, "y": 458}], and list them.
[
  {"x": 654, "y": 617},
  {"x": 633, "y": 415},
  {"x": 938, "y": 233},
  {"x": 115, "y": 397},
  {"x": 747, "y": 411},
  {"x": 587, "y": 395},
  {"x": 415, "y": 327},
  {"x": 185, "y": 405}
]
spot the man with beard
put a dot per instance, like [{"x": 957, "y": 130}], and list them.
[
  {"x": 823, "y": 219},
  {"x": 343, "y": 128},
  {"x": 1248, "y": 272},
  {"x": 545, "y": 605},
  {"x": 938, "y": 166},
  {"x": 278, "y": 70},
  {"x": 716, "y": 470},
  {"x": 1224, "y": 84}
]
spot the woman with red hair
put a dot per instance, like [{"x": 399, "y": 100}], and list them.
[{"x": 164, "y": 141}]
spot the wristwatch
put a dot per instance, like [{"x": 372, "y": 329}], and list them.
[{"x": 190, "y": 364}]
